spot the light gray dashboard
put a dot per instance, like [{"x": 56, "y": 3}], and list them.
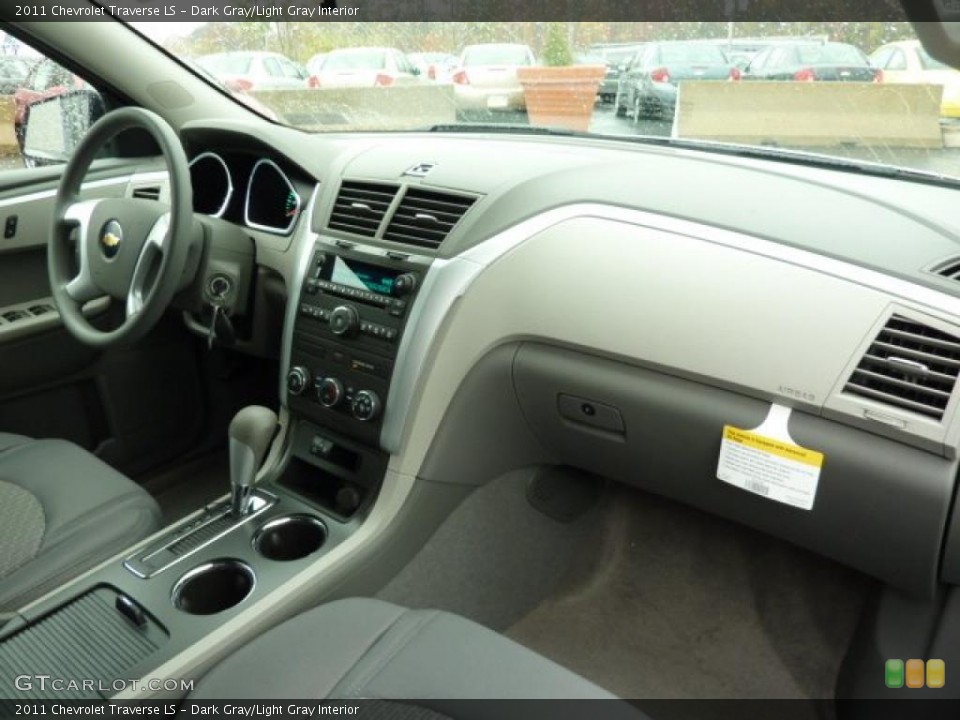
[{"x": 794, "y": 287}]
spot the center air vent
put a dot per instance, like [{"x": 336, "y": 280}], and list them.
[
  {"x": 360, "y": 207},
  {"x": 425, "y": 217},
  {"x": 909, "y": 365}
]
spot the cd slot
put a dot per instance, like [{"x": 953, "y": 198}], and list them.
[{"x": 394, "y": 305}]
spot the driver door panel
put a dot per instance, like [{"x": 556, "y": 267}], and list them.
[{"x": 135, "y": 407}]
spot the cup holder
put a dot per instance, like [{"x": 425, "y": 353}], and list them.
[
  {"x": 290, "y": 538},
  {"x": 213, "y": 587}
]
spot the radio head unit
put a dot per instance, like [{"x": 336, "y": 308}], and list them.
[{"x": 351, "y": 314}]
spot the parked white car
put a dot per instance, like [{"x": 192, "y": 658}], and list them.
[
  {"x": 908, "y": 62},
  {"x": 248, "y": 71},
  {"x": 366, "y": 67}
]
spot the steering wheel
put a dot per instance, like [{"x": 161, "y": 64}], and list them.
[{"x": 131, "y": 249}]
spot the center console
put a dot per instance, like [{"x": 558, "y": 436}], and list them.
[
  {"x": 351, "y": 313},
  {"x": 203, "y": 575}
]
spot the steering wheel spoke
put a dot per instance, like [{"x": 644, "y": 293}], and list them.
[
  {"x": 148, "y": 264},
  {"x": 78, "y": 215}
]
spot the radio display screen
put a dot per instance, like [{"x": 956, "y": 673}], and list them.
[{"x": 363, "y": 276}]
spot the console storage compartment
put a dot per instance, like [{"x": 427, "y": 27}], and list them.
[{"x": 98, "y": 637}]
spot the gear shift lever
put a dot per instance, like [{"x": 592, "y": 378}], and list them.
[{"x": 251, "y": 431}]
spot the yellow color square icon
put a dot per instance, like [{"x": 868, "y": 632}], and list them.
[
  {"x": 915, "y": 673},
  {"x": 936, "y": 673}
]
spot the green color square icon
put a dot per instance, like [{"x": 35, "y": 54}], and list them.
[{"x": 893, "y": 673}]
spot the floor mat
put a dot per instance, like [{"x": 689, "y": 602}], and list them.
[
  {"x": 495, "y": 558},
  {"x": 675, "y": 603},
  {"x": 188, "y": 487}
]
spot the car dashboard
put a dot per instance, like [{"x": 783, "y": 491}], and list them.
[{"x": 456, "y": 304}]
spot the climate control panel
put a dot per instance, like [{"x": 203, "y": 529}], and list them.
[{"x": 351, "y": 314}]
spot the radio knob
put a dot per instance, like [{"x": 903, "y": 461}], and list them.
[
  {"x": 366, "y": 405},
  {"x": 297, "y": 380},
  {"x": 404, "y": 284},
  {"x": 344, "y": 320},
  {"x": 329, "y": 392}
]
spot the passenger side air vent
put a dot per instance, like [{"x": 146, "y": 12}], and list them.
[
  {"x": 424, "y": 217},
  {"x": 950, "y": 269},
  {"x": 360, "y": 207},
  {"x": 909, "y": 365},
  {"x": 147, "y": 192}
]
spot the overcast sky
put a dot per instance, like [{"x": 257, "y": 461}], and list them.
[{"x": 160, "y": 32}]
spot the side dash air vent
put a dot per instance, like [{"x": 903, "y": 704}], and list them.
[
  {"x": 949, "y": 269},
  {"x": 360, "y": 207},
  {"x": 909, "y": 365},
  {"x": 147, "y": 192},
  {"x": 424, "y": 217}
]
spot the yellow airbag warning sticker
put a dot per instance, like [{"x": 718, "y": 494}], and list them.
[{"x": 766, "y": 461}]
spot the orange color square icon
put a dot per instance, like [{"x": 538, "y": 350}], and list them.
[{"x": 915, "y": 673}]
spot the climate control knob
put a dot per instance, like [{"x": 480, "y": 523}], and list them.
[
  {"x": 365, "y": 405},
  {"x": 297, "y": 380},
  {"x": 344, "y": 320},
  {"x": 329, "y": 392},
  {"x": 405, "y": 284}
]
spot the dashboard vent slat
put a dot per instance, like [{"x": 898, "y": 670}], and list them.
[
  {"x": 426, "y": 217},
  {"x": 147, "y": 192},
  {"x": 909, "y": 365},
  {"x": 360, "y": 207},
  {"x": 950, "y": 269}
]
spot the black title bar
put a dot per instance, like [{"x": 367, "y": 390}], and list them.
[{"x": 483, "y": 10}]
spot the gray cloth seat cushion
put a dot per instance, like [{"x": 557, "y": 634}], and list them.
[
  {"x": 363, "y": 648},
  {"x": 62, "y": 511}
]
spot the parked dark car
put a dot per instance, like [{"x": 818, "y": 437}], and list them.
[
  {"x": 649, "y": 84},
  {"x": 616, "y": 58},
  {"x": 812, "y": 61}
]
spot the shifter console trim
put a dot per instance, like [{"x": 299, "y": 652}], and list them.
[{"x": 186, "y": 539}]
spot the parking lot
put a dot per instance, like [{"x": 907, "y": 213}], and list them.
[{"x": 605, "y": 122}]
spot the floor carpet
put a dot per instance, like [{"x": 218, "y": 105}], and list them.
[{"x": 646, "y": 597}]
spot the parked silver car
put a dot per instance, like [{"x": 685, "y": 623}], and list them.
[{"x": 487, "y": 76}]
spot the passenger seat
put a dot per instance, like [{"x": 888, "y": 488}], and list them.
[{"x": 362, "y": 648}]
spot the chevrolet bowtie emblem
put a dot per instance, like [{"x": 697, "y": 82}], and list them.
[{"x": 111, "y": 236}]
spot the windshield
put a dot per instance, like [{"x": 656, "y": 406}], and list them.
[{"x": 694, "y": 83}]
